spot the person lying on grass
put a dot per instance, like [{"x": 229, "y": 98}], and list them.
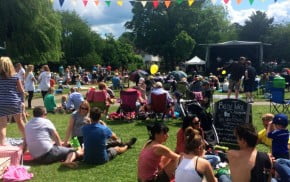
[
  {"x": 96, "y": 135},
  {"x": 44, "y": 143}
]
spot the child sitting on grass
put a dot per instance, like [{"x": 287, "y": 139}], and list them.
[{"x": 278, "y": 132}]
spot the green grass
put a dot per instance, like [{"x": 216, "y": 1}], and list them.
[{"x": 124, "y": 167}]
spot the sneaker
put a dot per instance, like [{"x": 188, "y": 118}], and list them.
[{"x": 131, "y": 142}]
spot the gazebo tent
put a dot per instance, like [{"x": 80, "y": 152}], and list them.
[
  {"x": 218, "y": 54},
  {"x": 195, "y": 61}
]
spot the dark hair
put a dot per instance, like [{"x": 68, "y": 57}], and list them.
[
  {"x": 156, "y": 128},
  {"x": 39, "y": 111},
  {"x": 193, "y": 140},
  {"x": 248, "y": 133},
  {"x": 187, "y": 121},
  {"x": 95, "y": 114}
]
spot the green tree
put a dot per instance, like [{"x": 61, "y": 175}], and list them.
[
  {"x": 155, "y": 30},
  {"x": 31, "y": 30},
  {"x": 257, "y": 27},
  {"x": 79, "y": 43}
]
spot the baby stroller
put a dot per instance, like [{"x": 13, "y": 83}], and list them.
[{"x": 192, "y": 107}]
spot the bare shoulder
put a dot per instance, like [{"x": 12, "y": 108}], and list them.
[{"x": 233, "y": 154}]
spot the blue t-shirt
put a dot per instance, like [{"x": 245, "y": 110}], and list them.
[
  {"x": 95, "y": 137},
  {"x": 279, "y": 142}
]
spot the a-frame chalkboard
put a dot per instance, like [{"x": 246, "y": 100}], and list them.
[{"x": 228, "y": 114}]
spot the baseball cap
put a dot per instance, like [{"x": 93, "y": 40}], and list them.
[{"x": 281, "y": 119}]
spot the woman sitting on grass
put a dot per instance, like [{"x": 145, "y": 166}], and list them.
[
  {"x": 157, "y": 162},
  {"x": 193, "y": 166},
  {"x": 78, "y": 119}
]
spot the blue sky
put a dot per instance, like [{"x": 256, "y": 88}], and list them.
[{"x": 103, "y": 19}]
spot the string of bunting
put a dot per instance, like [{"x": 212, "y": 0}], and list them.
[{"x": 155, "y": 3}]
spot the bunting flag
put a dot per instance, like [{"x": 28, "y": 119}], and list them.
[
  {"x": 190, "y": 2},
  {"x": 143, "y": 3},
  {"x": 179, "y": 1},
  {"x": 61, "y": 2},
  {"x": 74, "y": 2},
  {"x": 239, "y": 1},
  {"x": 275, "y": 1},
  {"x": 213, "y": 1},
  {"x": 52, "y": 1},
  {"x": 97, "y": 2},
  {"x": 251, "y": 2},
  {"x": 108, "y": 3},
  {"x": 155, "y": 4},
  {"x": 167, "y": 3},
  {"x": 226, "y": 1},
  {"x": 120, "y": 2},
  {"x": 85, "y": 2}
]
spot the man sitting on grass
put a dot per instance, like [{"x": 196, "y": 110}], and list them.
[
  {"x": 95, "y": 136},
  {"x": 40, "y": 133}
]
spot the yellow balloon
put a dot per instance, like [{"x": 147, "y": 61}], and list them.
[
  {"x": 153, "y": 69},
  {"x": 224, "y": 72}
]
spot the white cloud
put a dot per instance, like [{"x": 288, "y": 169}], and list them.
[
  {"x": 101, "y": 18},
  {"x": 280, "y": 11}
]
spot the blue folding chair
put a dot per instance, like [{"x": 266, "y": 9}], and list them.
[{"x": 277, "y": 102}]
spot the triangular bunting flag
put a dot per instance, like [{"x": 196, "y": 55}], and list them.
[
  {"x": 213, "y": 1},
  {"x": 251, "y": 2},
  {"x": 85, "y": 2},
  {"x": 190, "y": 2},
  {"x": 179, "y": 1},
  {"x": 74, "y": 2},
  {"x": 61, "y": 2},
  {"x": 120, "y": 2},
  {"x": 239, "y": 1},
  {"x": 143, "y": 3},
  {"x": 167, "y": 3},
  {"x": 155, "y": 4},
  {"x": 226, "y": 1},
  {"x": 275, "y": 1},
  {"x": 108, "y": 3},
  {"x": 132, "y": 3},
  {"x": 97, "y": 2}
]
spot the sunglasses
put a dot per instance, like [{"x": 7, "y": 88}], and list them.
[{"x": 84, "y": 108}]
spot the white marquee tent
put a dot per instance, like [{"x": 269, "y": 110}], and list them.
[{"x": 195, "y": 61}]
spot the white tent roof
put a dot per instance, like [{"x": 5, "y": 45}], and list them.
[
  {"x": 195, "y": 61},
  {"x": 151, "y": 58}
]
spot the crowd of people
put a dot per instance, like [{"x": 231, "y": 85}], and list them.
[{"x": 97, "y": 143}]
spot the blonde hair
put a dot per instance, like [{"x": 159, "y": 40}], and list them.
[
  {"x": 30, "y": 67},
  {"x": 268, "y": 117},
  {"x": 102, "y": 85},
  {"x": 45, "y": 68},
  {"x": 86, "y": 103},
  {"x": 6, "y": 67}
]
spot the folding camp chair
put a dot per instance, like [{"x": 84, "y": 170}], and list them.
[
  {"x": 99, "y": 99},
  {"x": 277, "y": 102},
  {"x": 128, "y": 103},
  {"x": 159, "y": 104}
]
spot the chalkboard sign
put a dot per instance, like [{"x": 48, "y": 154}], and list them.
[{"x": 228, "y": 114}]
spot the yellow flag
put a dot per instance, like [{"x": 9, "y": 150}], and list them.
[
  {"x": 167, "y": 3},
  {"x": 120, "y": 2},
  {"x": 239, "y": 1},
  {"x": 51, "y": 1},
  {"x": 190, "y": 2}
]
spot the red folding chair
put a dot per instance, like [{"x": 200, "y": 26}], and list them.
[
  {"x": 128, "y": 103},
  {"x": 98, "y": 98},
  {"x": 159, "y": 104}
]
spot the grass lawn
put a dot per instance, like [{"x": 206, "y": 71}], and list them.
[{"x": 124, "y": 167}]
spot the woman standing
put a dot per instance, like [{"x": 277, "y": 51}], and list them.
[
  {"x": 29, "y": 83},
  {"x": 78, "y": 119},
  {"x": 192, "y": 166},
  {"x": 44, "y": 80},
  {"x": 10, "y": 99},
  {"x": 156, "y": 161}
]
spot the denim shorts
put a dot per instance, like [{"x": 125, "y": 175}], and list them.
[{"x": 57, "y": 153}]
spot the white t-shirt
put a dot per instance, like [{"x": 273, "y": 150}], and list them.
[
  {"x": 44, "y": 80},
  {"x": 29, "y": 83},
  {"x": 20, "y": 74},
  {"x": 37, "y": 136}
]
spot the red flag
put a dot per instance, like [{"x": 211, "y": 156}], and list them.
[
  {"x": 85, "y": 2},
  {"x": 226, "y": 1},
  {"x": 155, "y": 4}
]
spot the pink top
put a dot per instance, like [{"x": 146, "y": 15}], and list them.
[
  {"x": 148, "y": 164},
  {"x": 180, "y": 141}
]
